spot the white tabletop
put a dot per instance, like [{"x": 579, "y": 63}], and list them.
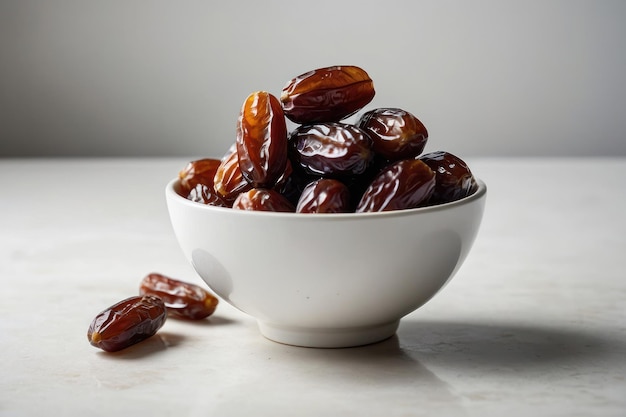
[{"x": 534, "y": 323}]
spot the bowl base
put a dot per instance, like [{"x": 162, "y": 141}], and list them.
[{"x": 328, "y": 338}]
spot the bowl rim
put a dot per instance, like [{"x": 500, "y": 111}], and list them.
[{"x": 481, "y": 191}]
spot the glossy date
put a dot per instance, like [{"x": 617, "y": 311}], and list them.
[
  {"x": 200, "y": 171},
  {"x": 182, "y": 299},
  {"x": 259, "y": 199},
  {"x": 261, "y": 139},
  {"x": 396, "y": 134},
  {"x": 402, "y": 185},
  {"x": 229, "y": 180},
  {"x": 126, "y": 323},
  {"x": 454, "y": 178},
  {"x": 331, "y": 149},
  {"x": 324, "y": 196},
  {"x": 327, "y": 94},
  {"x": 205, "y": 194}
]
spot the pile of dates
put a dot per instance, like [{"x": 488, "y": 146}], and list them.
[
  {"x": 325, "y": 165},
  {"x": 140, "y": 317}
]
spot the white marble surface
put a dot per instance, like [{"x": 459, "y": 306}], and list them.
[{"x": 533, "y": 324}]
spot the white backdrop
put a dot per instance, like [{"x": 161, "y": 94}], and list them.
[{"x": 150, "y": 78}]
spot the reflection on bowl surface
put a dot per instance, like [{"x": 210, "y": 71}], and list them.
[{"x": 326, "y": 280}]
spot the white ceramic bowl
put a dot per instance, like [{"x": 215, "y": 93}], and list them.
[{"x": 326, "y": 280}]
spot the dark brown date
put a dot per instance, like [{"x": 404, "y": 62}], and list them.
[
  {"x": 126, "y": 323},
  {"x": 327, "y": 94},
  {"x": 396, "y": 134},
  {"x": 205, "y": 194},
  {"x": 260, "y": 199},
  {"x": 262, "y": 139},
  {"x": 182, "y": 299},
  {"x": 324, "y": 196},
  {"x": 401, "y": 185},
  {"x": 454, "y": 180},
  {"x": 331, "y": 149},
  {"x": 200, "y": 171},
  {"x": 229, "y": 180}
]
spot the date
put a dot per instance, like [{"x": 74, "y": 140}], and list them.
[
  {"x": 324, "y": 195},
  {"x": 261, "y": 139},
  {"x": 401, "y": 185},
  {"x": 396, "y": 134},
  {"x": 454, "y": 179},
  {"x": 204, "y": 194},
  {"x": 200, "y": 171},
  {"x": 182, "y": 299},
  {"x": 229, "y": 180},
  {"x": 331, "y": 149},
  {"x": 127, "y": 323},
  {"x": 260, "y": 199},
  {"x": 327, "y": 94}
]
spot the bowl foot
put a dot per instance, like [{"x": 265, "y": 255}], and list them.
[{"x": 328, "y": 338}]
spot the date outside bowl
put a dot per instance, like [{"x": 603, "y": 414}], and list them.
[{"x": 326, "y": 280}]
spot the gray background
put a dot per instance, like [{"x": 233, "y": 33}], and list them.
[{"x": 167, "y": 78}]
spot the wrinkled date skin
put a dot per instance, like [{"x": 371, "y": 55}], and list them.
[
  {"x": 396, "y": 134},
  {"x": 327, "y": 94},
  {"x": 401, "y": 185},
  {"x": 229, "y": 180},
  {"x": 182, "y": 299},
  {"x": 205, "y": 194},
  {"x": 324, "y": 196},
  {"x": 126, "y": 323},
  {"x": 259, "y": 199},
  {"x": 201, "y": 171},
  {"x": 331, "y": 149},
  {"x": 454, "y": 178},
  {"x": 262, "y": 139}
]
